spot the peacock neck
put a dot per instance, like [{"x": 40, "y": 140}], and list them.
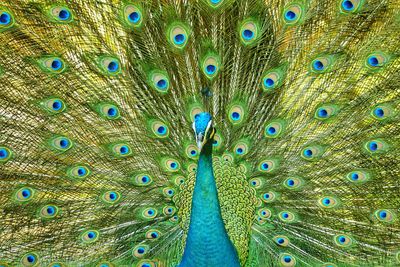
[{"x": 207, "y": 242}]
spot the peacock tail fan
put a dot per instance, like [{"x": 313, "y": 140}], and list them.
[{"x": 97, "y": 155}]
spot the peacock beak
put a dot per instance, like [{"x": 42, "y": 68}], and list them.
[{"x": 200, "y": 140}]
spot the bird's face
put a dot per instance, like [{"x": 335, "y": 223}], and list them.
[{"x": 203, "y": 129}]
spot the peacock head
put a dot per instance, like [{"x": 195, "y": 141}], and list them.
[{"x": 203, "y": 129}]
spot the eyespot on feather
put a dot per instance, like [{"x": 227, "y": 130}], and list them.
[
  {"x": 5, "y": 154},
  {"x": 343, "y": 240},
  {"x": 133, "y": 16},
  {"x": 178, "y": 35},
  {"x": 24, "y": 194},
  {"x": 287, "y": 260},
  {"x": 30, "y": 259},
  {"x": 53, "y": 105},
  {"x": 90, "y": 236},
  {"x": 120, "y": 150},
  {"x": 49, "y": 212},
  {"x": 293, "y": 14},
  {"x": 108, "y": 65},
  {"x": 142, "y": 179},
  {"x": 52, "y": 65},
  {"x": 249, "y": 31},
  {"x": 350, "y": 6},
  {"x": 7, "y": 19},
  {"x": 60, "y": 14}
]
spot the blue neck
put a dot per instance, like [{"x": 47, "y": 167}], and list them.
[{"x": 207, "y": 242}]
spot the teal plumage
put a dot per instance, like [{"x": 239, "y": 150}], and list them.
[{"x": 104, "y": 160}]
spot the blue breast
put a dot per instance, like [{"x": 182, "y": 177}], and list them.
[{"x": 207, "y": 243}]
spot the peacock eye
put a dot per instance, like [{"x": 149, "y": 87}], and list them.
[
  {"x": 30, "y": 259},
  {"x": 149, "y": 213},
  {"x": 49, "y": 211},
  {"x": 133, "y": 16},
  {"x": 287, "y": 260},
  {"x": 109, "y": 65},
  {"x": 293, "y": 14},
  {"x": 90, "y": 236},
  {"x": 153, "y": 234},
  {"x": 52, "y": 65},
  {"x": 140, "y": 250},
  {"x": 6, "y": 19},
  {"x": 110, "y": 197},
  {"x": 5, "y": 154},
  {"x": 61, "y": 14},
  {"x": 249, "y": 31},
  {"x": 178, "y": 35},
  {"x": 343, "y": 240}
]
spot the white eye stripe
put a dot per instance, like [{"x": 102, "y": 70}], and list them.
[{"x": 208, "y": 127}]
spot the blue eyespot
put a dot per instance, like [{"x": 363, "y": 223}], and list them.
[
  {"x": 290, "y": 15},
  {"x": 383, "y": 214},
  {"x": 124, "y": 150},
  {"x": 30, "y": 258},
  {"x": 56, "y": 64},
  {"x": 113, "y": 196},
  {"x": 162, "y": 130},
  {"x": 5, "y": 18},
  {"x": 264, "y": 166},
  {"x": 3, "y": 153},
  {"x": 247, "y": 34},
  {"x": 269, "y": 82},
  {"x": 57, "y": 105},
  {"x": 271, "y": 130},
  {"x": 354, "y": 176},
  {"x": 162, "y": 84},
  {"x": 287, "y": 259},
  {"x": 318, "y": 65},
  {"x": 193, "y": 152},
  {"x": 323, "y": 113},
  {"x": 50, "y": 210},
  {"x": 373, "y": 146},
  {"x": 179, "y": 39},
  {"x": 235, "y": 116},
  {"x": 112, "y": 112},
  {"x": 342, "y": 239},
  {"x": 145, "y": 179},
  {"x": 81, "y": 171},
  {"x": 215, "y": 1},
  {"x": 307, "y": 153},
  {"x": 113, "y": 66},
  {"x": 173, "y": 165},
  {"x": 373, "y": 61},
  {"x": 91, "y": 235},
  {"x": 210, "y": 69},
  {"x": 134, "y": 17},
  {"x": 64, "y": 14},
  {"x": 26, "y": 193},
  {"x": 326, "y": 201},
  {"x": 64, "y": 143},
  {"x": 347, "y": 5},
  {"x": 290, "y": 182},
  {"x": 239, "y": 150},
  {"x": 285, "y": 215},
  {"x": 215, "y": 143},
  {"x": 379, "y": 112}
]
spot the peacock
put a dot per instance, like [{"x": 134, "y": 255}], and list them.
[{"x": 199, "y": 133}]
